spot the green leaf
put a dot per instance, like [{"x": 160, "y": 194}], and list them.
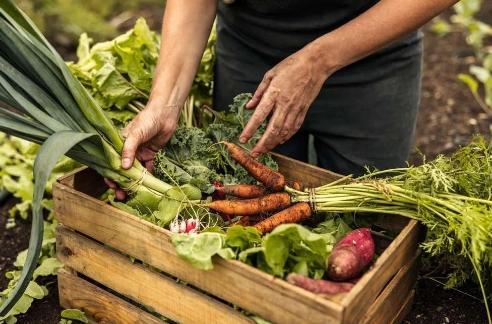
[
  {"x": 242, "y": 238},
  {"x": 482, "y": 74},
  {"x": 470, "y": 82},
  {"x": 55, "y": 147},
  {"x": 74, "y": 314},
  {"x": 199, "y": 249},
  {"x": 34, "y": 290},
  {"x": 49, "y": 267}
]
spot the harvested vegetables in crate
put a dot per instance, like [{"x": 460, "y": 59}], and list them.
[{"x": 42, "y": 101}]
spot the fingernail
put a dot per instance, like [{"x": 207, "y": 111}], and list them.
[
  {"x": 126, "y": 163},
  {"x": 242, "y": 140}
]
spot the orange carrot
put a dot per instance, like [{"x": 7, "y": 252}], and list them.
[
  {"x": 242, "y": 190},
  {"x": 294, "y": 184},
  {"x": 244, "y": 221},
  {"x": 268, "y": 203},
  {"x": 260, "y": 172},
  {"x": 294, "y": 214}
]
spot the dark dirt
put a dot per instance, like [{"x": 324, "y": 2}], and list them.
[
  {"x": 12, "y": 242},
  {"x": 449, "y": 117}
]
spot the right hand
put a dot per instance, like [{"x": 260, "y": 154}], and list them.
[{"x": 148, "y": 132}]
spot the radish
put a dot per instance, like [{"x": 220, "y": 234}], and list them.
[
  {"x": 319, "y": 286},
  {"x": 352, "y": 255}
]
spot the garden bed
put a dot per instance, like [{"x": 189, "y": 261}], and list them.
[{"x": 95, "y": 240}]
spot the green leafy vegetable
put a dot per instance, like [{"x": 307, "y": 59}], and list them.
[
  {"x": 199, "y": 249},
  {"x": 74, "y": 314},
  {"x": 289, "y": 248}
]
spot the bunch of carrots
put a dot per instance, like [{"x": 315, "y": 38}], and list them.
[{"x": 254, "y": 200}]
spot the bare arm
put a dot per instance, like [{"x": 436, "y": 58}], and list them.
[
  {"x": 185, "y": 30},
  {"x": 289, "y": 98}
]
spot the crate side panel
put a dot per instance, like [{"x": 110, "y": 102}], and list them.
[
  {"x": 393, "y": 298},
  {"x": 247, "y": 287},
  {"x": 402, "y": 249},
  {"x": 139, "y": 283},
  {"x": 98, "y": 304}
]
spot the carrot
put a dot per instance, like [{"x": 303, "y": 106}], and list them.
[
  {"x": 271, "y": 179},
  {"x": 244, "y": 221},
  {"x": 268, "y": 203},
  {"x": 319, "y": 286},
  {"x": 242, "y": 190},
  {"x": 294, "y": 184},
  {"x": 294, "y": 214}
]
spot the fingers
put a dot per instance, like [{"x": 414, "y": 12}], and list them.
[
  {"x": 132, "y": 141},
  {"x": 271, "y": 137},
  {"x": 145, "y": 154},
  {"x": 291, "y": 126},
  {"x": 119, "y": 194},
  {"x": 261, "y": 113},
  {"x": 110, "y": 183},
  {"x": 255, "y": 100},
  {"x": 149, "y": 165}
]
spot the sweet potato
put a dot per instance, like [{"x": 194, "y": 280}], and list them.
[
  {"x": 351, "y": 256},
  {"x": 319, "y": 286}
]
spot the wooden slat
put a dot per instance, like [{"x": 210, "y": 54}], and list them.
[
  {"x": 389, "y": 302},
  {"x": 247, "y": 287},
  {"x": 405, "y": 309},
  {"x": 402, "y": 249},
  {"x": 309, "y": 175},
  {"x": 99, "y": 305},
  {"x": 115, "y": 271}
]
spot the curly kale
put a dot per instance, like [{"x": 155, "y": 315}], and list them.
[{"x": 195, "y": 156}]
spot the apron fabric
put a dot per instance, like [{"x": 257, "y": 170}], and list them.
[{"x": 365, "y": 113}]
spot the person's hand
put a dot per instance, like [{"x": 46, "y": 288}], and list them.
[
  {"x": 146, "y": 134},
  {"x": 287, "y": 91},
  {"x": 144, "y": 155}
]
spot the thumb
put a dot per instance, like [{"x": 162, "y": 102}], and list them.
[{"x": 132, "y": 142}]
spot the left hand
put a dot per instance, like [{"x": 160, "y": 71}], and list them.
[{"x": 287, "y": 90}]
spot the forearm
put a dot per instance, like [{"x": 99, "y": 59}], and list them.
[
  {"x": 382, "y": 24},
  {"x": 185, "y": 30}
]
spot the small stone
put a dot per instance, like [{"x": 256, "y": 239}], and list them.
[
  {"x": 446, "y": 319},
  {"x": 472, "y": 121}
]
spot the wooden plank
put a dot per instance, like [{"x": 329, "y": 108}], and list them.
[
  {"x": 405, "y": 309},
  {"x": 402, "y": 249},
  {"x": 247, "y": 287},
  {"x": 149, "y": 288},
  {"x": 389, "y": 302},
  {"x": 309, "y": 175},
  {"x": 99, "y": 305}
]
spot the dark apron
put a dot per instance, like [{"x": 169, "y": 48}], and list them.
[{"x": 365, "y": 113}]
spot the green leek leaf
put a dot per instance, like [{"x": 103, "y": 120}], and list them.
[{"x": 50, "y": 152}]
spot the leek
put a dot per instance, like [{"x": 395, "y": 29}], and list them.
[{"x": 42, "y": 102}]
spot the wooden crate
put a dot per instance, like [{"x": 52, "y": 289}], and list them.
[{"x": 95, "y": 242}]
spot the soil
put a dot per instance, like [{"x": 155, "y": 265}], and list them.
[{"x": 449, "y": 117}]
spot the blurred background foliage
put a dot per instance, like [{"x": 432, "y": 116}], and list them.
[{"x": 62, "y": 21}]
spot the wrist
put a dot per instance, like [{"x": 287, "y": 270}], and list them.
[{"x": 326, "y": 55}]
